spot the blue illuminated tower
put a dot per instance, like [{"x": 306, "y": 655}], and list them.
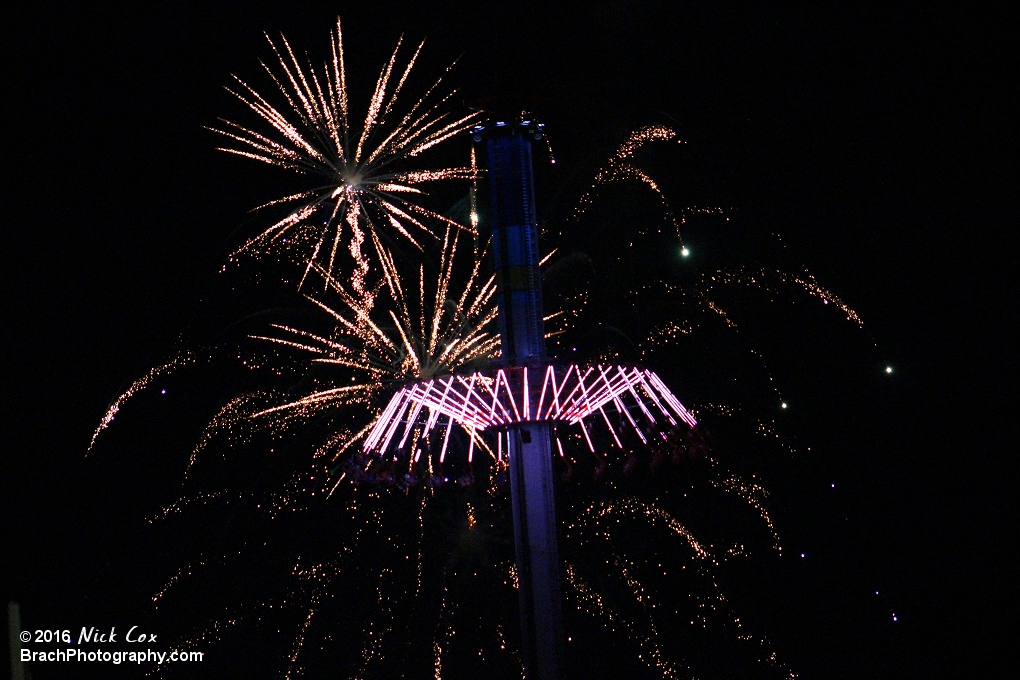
[
  {"x": 520, "y": 400},
  {"x": 514, "y": 229}
]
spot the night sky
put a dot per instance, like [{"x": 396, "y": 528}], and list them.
[{"x": 875, "y": 141}]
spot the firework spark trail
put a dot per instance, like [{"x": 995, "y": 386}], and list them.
[
  {"x": 176, "y": 578},
  {"x": 321, "y": 575},
  {"x": 752, "y": 493},
  {"x": 809, "y": 284},
  {"x": 358, "y": 192},
  {"x": 768, "y": 431},
  {"x": 293, "y": 668},
  {"x": 640, "y": 594},
  {"x": 229, "y": 416},
  {"x": 217, "y": 629},
  {"x": 235, "y": 418},
  {"x": 620, "y": 168},
  {"x": 375, "y": 637},
  {"x": 212, "y": 632},
  {"x": 442, "y": 634},
  {"x": 294, "y": 494},
  {"x": 201, "y": 500},
  {"x": 592, "y": 602},
  {"x": 137, "y": 386},
  {"x": 758, "y": 277},
  {"x": 635, "y": 507},
  {"x": 221, "y": 559}
]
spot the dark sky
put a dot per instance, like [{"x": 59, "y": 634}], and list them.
[{"x": 876, "y": 140}]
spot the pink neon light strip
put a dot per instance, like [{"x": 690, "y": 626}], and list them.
[
  {"x": 620, "y": 406},
  {"x": 510, "y": 393},
  {"x": 650, "y": 391},
  {"x": 379, "y": 427},
  {"x": 631, "y": 381},
  {"x": 671, "y": 400},
  {"x": 549, "y": 374},
  {"x": 394, "y": 424},
  {"x": 414, "y": 415},
  {"x": 461, "y": 401},
  {"x": 569, "y": 413},
  {"x": 527, "y": 406},
  {"x": 446, "y": 439}
]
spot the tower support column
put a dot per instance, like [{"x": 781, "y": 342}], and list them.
[
  {"x": 519, "y": 296},
  {"x": 535, "y": 539}
]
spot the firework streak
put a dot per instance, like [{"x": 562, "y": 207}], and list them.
[{"x": 357, "y": 189}]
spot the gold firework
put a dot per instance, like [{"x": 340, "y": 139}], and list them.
[
  {"x": 362, "y": 184},
  {"x": 443, "y": 330}
]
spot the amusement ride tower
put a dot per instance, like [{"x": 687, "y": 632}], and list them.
[
  {"x": 522, "y": 330},
  {"x": 525, "y": 396}
]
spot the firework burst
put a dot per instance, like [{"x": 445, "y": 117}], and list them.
[
  {"x": 361, "y": 182},
  {"x": 448, "y": 326}
]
